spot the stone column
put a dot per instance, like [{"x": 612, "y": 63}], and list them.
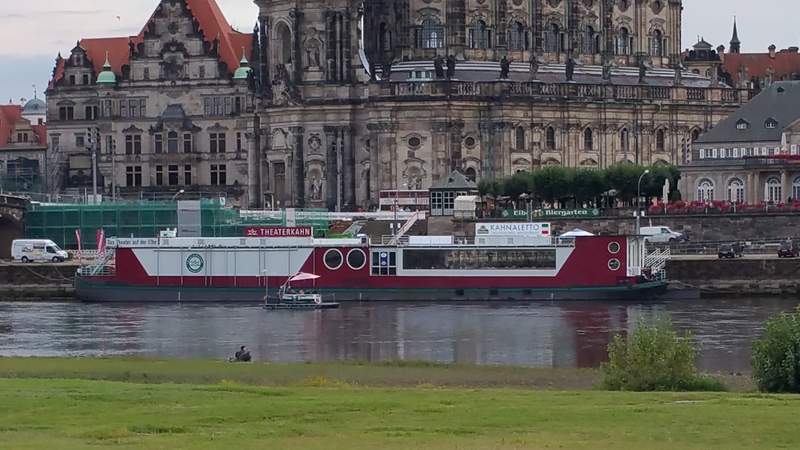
[
  {"x": 487, "y": 138},
  {"x": 750, "y": 198},
  {"x": 456, "y": 129},
  {"x": 297, "y": 59},
  {"x": 785, "y": 186},
  {"x": 298, "y": 168},
  {"x": 349, "y": 169},
  {"x": 331, "y": 167},
  {"x": 439, "y": 155},
  {"x": 253, "y": 170},
  {"x": 758, "y": 189}
]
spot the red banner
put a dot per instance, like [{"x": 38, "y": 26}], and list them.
[{"x": 273, "y": 232}]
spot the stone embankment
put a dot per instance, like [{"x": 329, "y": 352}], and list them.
[
  {"x": 766, "y": 276},
  {"x": 37, "y": 282}
]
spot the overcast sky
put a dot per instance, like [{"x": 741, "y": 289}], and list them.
[{"x": 32, "y": 32}]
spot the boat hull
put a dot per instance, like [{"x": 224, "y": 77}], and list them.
[{"x": 104, "y": 292}]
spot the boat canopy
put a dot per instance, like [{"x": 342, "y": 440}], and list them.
[{"x": 302, "y": 276}]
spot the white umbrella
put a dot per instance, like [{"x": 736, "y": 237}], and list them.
[{"x": 577, "y": 232}]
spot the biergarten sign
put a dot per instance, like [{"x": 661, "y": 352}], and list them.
[{"x": 567, "y": 213}]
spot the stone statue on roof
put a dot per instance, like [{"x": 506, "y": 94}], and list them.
[
  {"x": 451, "y": 66},
  {"x": 438, "y": 67},
  {"x": 534, "y": 68},
  {"x": 505, "y": 68},
  {"x": 570, "y": 69}
]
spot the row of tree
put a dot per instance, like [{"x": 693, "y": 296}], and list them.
[{"x": 584, "y": 186}]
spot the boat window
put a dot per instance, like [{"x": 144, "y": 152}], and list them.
[
  {"x": 333, "y": 259},
  {"x": 356, "y": 259},
  {"x": 483, "y": 259},
  {"x": 384, "y": 263}
]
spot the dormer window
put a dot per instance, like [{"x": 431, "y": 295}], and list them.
[
  {"x": 742, "y": 125},
  {"x": 771, "y": 124}
]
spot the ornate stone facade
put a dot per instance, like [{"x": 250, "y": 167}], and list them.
[
  {"x": 166, "y": 109},
  {"x": 357, "y": 97}
]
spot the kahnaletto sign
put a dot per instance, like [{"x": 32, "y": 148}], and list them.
[
  {"x": 513, "y": 229},
  {"x": 278, "y": 232}
]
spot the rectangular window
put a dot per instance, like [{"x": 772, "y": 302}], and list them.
[
  {"x": 110, "y": 144},
  {"x": 107, "y": 108},
  {"x": 133, "y": 176},
  {"x": 484, "y": 259},
  {"x": 158, "y": 143},
  {"x": 142, "y": 107},
  {"x": 384, "y": 263},
  {"x": 159, "y": 175},
  {"x": 217, "y": 142},
  {"x": 66, "y": 113},
  {"x": 237, "y": 105},
  {"x": 123, "y": 108},
  {"x": 129, "y": 144},
  {"x": 208, "y": 106},
  {"x": 187, "y": 175},
  {"x": 91, "y": 112},
  {"x": 202, "y": 71},
  {"x": 133, "y": 108},
  {"x": 218, "y": 106},
  {"x": 173, "y": 175},
  {"x": 146, "y": 74},
  {"x": 86, "y": 79},
  {"x": 133, "y": 144},
  {"x": 228, "y": 106},
  {"x": 187, "y": 143},
  {"x": 219, "y": 176},
  {"x": 238, "y": 141},
  {"x": 79, "y": 141}
]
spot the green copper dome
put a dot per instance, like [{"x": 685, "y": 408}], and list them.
[
  {"x": 107, "y": 76},
  {"x": 244, "y": 69}
]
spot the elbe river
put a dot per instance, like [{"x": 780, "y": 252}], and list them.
[{"x": 539, "y": 334}]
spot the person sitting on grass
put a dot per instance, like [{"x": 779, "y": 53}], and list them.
[{"x": 242, "y": 355}]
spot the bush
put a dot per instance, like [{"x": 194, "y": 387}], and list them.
[
  {"x": 654, "y": 358},
  {"x": 776, "y": 356}
]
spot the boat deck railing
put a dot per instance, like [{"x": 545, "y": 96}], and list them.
[
  {"x": 405, "y": 241},
  {"x": 97, "y": 271}
]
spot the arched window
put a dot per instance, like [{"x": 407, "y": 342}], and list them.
[
  {"x": 520, "y": 139},
  {"x": 705, "y": 190},
  {"x": 432, "y": 34},
  {"x": 471, "y": 174},
  {"x": 588, "y": 139},
  {"x": 660, "y": 141},
  {"x": 773, "y": 190},
  {"x": 796, "y": 189},
  {"x": 284, "y": 46},
  {"x": 695, "y": 134},
  {"x": 479, "y": 35},
  {"x": 172, "y": 142},
  {"x": 624, "y": 140},
  {"x": 589, "y": 40},
  {"x": 736, "y": 191},
  {"x": 550, "y": 138},
  {"x": 552, "y": 39},
  {"x": 623, "y": 41},
  {"x": 657, "y": 44},
  {"x": 385, "y": 37},
  {"x": 517, "y": 38}
]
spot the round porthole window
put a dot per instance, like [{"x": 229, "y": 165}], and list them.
[
  {"x": 414, "y": 142},
  {"x": 356, "y": 259},
  {"x": 614, "y": 248},
  {"x": 614, "y": 265},
  {"x": 333, "y": 259}
]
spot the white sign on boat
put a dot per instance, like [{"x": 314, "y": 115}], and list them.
[{"x": 528, "y": 229}]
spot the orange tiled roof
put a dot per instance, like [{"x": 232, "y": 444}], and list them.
[
  {"x": 9, "y": 115},
  {"x": 211, "y": 20},
  {"x": 783, "y": 65}
]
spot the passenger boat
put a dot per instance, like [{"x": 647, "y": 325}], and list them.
[{"x": 488, "y": 268}]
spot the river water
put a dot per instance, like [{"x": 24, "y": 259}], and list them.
[{"x": 542, "y": 334}]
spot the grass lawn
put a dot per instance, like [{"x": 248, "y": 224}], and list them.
[{"x": 70, "y": 404}]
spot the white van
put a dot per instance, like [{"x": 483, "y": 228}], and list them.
[
  {"x": 29, "y": 250},
  {"x": 660, "y": 235}
]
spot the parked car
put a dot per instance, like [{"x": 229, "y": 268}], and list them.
[
  {"x": 42, "y": 250},
  {"x": 730, "y": 251},
  {"x": 661, "y": 235},
  {"x": 788, "y": 249}
]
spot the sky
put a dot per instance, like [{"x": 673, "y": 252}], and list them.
[{"x": 33, "y": 32}]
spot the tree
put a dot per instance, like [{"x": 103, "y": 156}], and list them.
[
  {"x": 552, "y": 183},
  {"x": 588, "y": 185},
  {"x": 624, "y": 178}
]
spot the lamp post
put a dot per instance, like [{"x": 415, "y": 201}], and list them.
[
  {"x": 638, "y": 199},
  {"x": 177, "y": 194}
]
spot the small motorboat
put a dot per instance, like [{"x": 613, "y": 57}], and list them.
[{"x": 294, "y": 298}]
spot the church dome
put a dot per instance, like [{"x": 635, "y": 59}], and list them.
[
  {"x": 244, "y": 69},
  {"x": 107, "y": 76},
  {"x": 34, "y": 107}
]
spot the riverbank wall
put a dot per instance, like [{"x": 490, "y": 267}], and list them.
[
  {"x": 37, "y": 282},
  {"x": 738, "y": 277}
]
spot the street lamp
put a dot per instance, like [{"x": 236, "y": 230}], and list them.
[
  {"x": 179, "y": 193},
  {"x": 638, "y": 199}
]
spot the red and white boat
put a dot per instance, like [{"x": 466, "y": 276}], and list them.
[{"x": 418, "y": 269}]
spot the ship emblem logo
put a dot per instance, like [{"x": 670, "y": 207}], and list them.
[{"x": 195, "y": 263}]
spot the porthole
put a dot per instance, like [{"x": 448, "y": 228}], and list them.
[
  {"x": 414, "y": 142},
  {"x": 333, "y": 259},
  {"x": 614, "y": 248},
  {"x": 356, "y": 259},
  {"x": 614, "y": 265}
]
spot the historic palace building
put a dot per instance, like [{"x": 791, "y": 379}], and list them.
[
  {"x": 166, "y": 110},
  {"x": 344, "y": 99}
]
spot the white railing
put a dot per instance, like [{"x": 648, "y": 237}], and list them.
[
  {"x": 408, "y": 225},
  {"x": 657, "y": 261}
]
